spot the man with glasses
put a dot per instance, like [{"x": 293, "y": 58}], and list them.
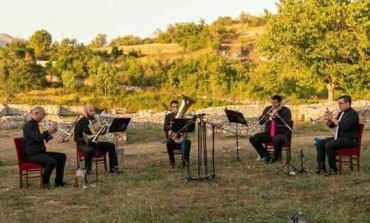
[
  {"x": 185, "y": 144},
  {"x": 346, "y": 134},
  {"x": 276, "y": 129},
  {"x": 35, "y": 149}
]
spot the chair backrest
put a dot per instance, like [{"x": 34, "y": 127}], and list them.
[
  {"x": 360, "y": 132},
  {"x": 19, "y": 146}
]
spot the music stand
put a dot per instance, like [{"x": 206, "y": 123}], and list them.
[
  {"x": 237, "y": 118},
  {"x": 183, "y": 125},
  {"x": 118, "y": 125}
]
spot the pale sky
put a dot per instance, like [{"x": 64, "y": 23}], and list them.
[{"x": 84, "y": 19}]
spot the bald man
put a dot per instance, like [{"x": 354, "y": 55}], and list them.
[
  {"x": 35, "y": 149},
  {"x": 82, "y": 126}
]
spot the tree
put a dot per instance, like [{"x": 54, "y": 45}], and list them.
[
  {"x": 99, "y": 41},
  {"x": 327, "y": 40},
  {"x": 105, "y": 80},
  {"x": 41, "y": 41}
]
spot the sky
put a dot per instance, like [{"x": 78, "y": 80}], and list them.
[{"x": 85, "y": 19}]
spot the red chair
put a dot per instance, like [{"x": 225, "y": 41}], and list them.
[
  {"x": 98, "y": 157},
  {"x": 352, "y": 153},
  {"x": 28, "y": 169},
  {"x": 286, "y": 146}
]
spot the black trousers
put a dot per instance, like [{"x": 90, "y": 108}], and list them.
[
  {"x": 328, "y": 147},
  {"x": 259, "y": 139},
  {"x": 185, "y": 147},
  {"x": 50, "y": 160},
  {"x": 108, "y": 147}
]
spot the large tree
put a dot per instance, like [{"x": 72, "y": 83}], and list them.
[{"x": 323, "y": 41}]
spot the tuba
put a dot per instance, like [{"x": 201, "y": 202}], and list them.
[
  {"x": 97, "y": 128},
  {"x": 186, "y": 102}
]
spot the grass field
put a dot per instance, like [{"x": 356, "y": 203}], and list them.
[{"x": 148, "y": 191}]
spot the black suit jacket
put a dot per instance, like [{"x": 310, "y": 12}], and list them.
[
  {"x": 34, "y": 140},
  {"x": 284, "y": 113},
  {"x": 82, "y": 126},
  {"x": 348, "y": 125},
  {"x": 167, "y": 123}
]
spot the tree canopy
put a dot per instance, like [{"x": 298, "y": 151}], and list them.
[{"x": 323, "y": 41}]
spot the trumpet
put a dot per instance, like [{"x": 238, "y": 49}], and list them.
[
  {"x": 56, "y": 128},
  {"x": 314, "y": 121}
]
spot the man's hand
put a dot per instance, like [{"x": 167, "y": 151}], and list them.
[{"x": 53, "y": 128}]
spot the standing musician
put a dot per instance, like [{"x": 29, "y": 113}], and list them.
[
  {"x": 275, "y": 117},
  {"x": 82, "y": 126},
  {"x": 185, "y": 145},
  {"x": 347, "y": 124},
  {"x": 35, "y": 149}
]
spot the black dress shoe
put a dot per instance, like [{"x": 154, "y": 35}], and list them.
[
  {"x": 267, "y": 158},
  {"x": 320, "y": 172},
  {"x": 331, "y": 172},
  {"x": 46, "y": 186},
  {"x": 115, "y": 170},
  {"x": 61, "y": 184}
]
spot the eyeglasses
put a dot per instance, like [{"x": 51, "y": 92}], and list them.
[{"x": 340, "y": 102}]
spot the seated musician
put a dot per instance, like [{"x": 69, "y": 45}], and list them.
[
  {"x": 346, "y": 124},
  {"x": 83, "y": 125},
  {"x": 185, "y": 145},
  {"x": 35, "y": 150},
  {"x": 275, "y": 117}
]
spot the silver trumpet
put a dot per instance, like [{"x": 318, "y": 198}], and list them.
[
  {"x": 315, "y": 121},
  {"x": 65, "y": 134}
]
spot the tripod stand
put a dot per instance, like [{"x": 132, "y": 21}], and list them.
[
  {"x": 301, "y": 156},
  {"x": 202, "y": 153},
  {"x": 237, "y": 118},
  {"x": 288, "y": 165}
]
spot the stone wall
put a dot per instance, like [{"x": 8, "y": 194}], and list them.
[{"x": 214, "y": 114}]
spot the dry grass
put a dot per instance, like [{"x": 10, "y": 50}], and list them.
[{"x": 148, "y": 191}]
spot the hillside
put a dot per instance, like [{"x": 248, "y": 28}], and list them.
[
  {"x": 5, "y": 39},
  {"x": 246, "y": 37}
]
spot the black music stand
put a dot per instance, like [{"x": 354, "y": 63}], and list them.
[
  {"x": 182, "y": 125},
  {"x": 119, "y": 125},
  {"x": 237, "y": 118}
]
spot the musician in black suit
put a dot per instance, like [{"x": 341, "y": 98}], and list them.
[
  {"x": 185, "y": 145},
  {"x": 82, "y": 126},
  {"x": 276, "y": 130},
  {"x": 35, "y": 149},
  {"x": 346, "y": 124}
]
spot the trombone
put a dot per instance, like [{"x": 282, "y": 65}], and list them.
[
  {"x": 267, "y": 117},
  {"x": 316, "y": 120},
  {"x": 67, "y": 135}
]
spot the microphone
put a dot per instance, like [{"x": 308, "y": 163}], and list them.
[{"x": 194, "y": 118}]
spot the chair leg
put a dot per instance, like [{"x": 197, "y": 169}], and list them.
[
  {"x": 20, "y": 179},
  {"x": 41, "y": 182},
  {"x": 26, "y": 178},
  {"x": 351, "y": 163},
  {"x": 105, "y": 164},
  {"x": 340, "y": 165},
  {"x": 358, "y": 163}
]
